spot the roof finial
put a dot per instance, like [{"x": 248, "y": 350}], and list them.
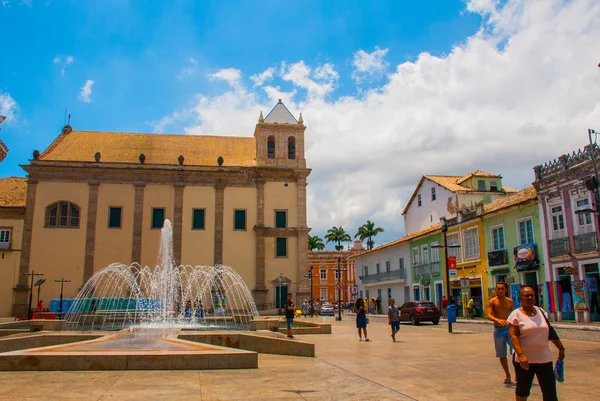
[
  {"x": 300, "y": 120},
  {"x": 261, "y": 118},
  {"x": 280, "y": 101}
]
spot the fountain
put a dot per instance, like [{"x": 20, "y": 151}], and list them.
[{"x": 166, "y": 296}]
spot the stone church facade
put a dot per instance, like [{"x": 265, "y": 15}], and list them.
[{"x": 94, "y": 198}]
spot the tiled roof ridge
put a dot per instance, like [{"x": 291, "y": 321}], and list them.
[
  {"x": 55, "y": 143},
  {"x": 409, "y": 237},
  {"x": 164, "y": 135},
  {"x": 526, "y": 195},
  {"x": 476, "y": 173},
  {"x": 13, "y": 191}
]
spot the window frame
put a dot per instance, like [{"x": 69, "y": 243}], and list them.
[
  {"x": 286, "y": 217},
  {"x": 152, "y": 209},
  {"x": 493, "y": 239},
  {"x": 291, "y": 150},
  {"x": 110, "y": 209},
  {"x": 494, "y": 187},
  {"x": 194, "y": 210},
  {"x": 518, "y": 224},
  {"x": 456, "y": 252},
  {"x": 245, "y": 219},
  {"x": 277, "y": 255},
  {"x": 321, "y": 271},
  {"x": 480, "y": 187},
  {"x": 69, "y": 214},
  {"x": 471, "y": 252},
  {"x": 585, "y": 218},
  {"x": 433, "y": 194},
  {"x": 419, "y": 200},
  {"x": 271, "y": 150},
  {"x": 9, "y": 239}
]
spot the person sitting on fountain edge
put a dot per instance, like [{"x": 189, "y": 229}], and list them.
[{"x": 290, "y": 310}]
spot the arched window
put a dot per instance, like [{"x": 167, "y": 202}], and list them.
[
  {"x": 271, "y": 147},
  {"x": 62, "y": 214},
  {"x": 291, "y": 147}
]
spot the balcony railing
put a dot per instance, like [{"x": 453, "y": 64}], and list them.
[
  {"x": 497, "y": 258},
  {"x": 416, "y": 271},
  {"x": 559, "y": 247},
  {"x": 435, "y": 268},
  {"x": 425, "y": 269},
  {"x": 384, "y": 276},
  {"x": 4, "y": 245},
  {"x": 585, "y": 242}
]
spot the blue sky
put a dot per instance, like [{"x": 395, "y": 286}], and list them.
[{"x": 389, "y": 90}]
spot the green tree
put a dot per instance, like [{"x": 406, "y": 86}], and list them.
[
  {"x": 368, "y": 231},
  {"x": 337, "y": 235},
  {"x": 315, "y": 242}
]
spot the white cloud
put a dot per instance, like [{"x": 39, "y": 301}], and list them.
[
  {"x": 265, "y": 76},
  {"x": 8, "y": 106},
  {"x": 56, "y": 60},
  {"x": 86, "y": 91},
  {"x": 369, "y": 64},
  {"x": 231, "y": 75},
  {"x": 519, "y": 92},
  {"x": 68, "y": 60}
]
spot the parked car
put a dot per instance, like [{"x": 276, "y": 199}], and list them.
[
  {"x": 327, "y": 310},
  {"x": 419, "y": 311}
]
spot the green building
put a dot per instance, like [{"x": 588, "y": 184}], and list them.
[
  {"x": 427, "y": 271},
  {"x": 513, "y": 243}
]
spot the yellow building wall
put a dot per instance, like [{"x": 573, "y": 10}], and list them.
[
  {"x": 239, "y": 246},
  {"x": 280, "y": 197},
  {"x": 155, "y": 196},
  {"x": 113, "y": 245},
  {"x": 476, "y": 267},
  {"x": 288, "y": 266},
  {"x": 198, "y": 246},
  {"x": 59, "y": 252},
  {"x": 9, "y": 265}
]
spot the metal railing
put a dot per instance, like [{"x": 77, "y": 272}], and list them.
[
  {"x": 416, "y": 271},
  {"x": 425, "y": 269},
  {"x": 435, "y": 268},
  {"x": 384, "y": 276},
  {"x": 585, "y": 242},
  {"x": 559, "y": 247}
]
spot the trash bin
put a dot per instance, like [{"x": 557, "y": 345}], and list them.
[{"x": 451, "y": 313}]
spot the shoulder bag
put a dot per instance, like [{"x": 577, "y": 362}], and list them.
[{"x": 552, "y": 334}]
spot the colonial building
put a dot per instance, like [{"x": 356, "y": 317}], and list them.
[
  {"x": 325, "y": 279},
  {"x": 12, "y": 212},
  {"x": 439, "y": 196},
  {"x": 94, "y": 198},
  {"x": 565, "y": 189}
]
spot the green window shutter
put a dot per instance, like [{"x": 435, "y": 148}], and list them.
[
  {"x": 198, "y": 219},
  {"x": 281, "y": 247},
  {"x": 281, "y": 219},
  {"x": 114, "y": 220},
  {"x": 158, "y": 217},
  {"x": 240, "y": 220}
]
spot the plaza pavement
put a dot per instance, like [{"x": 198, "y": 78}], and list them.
[{"x": 427, "y": 363}]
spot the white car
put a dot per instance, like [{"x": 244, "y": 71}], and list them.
[{"x": 327, "y": 310}]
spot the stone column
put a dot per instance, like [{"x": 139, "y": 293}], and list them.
[
  {"x": 304, "y": 287},
  {"x": 177, "y": 222},
  {"x": 219, "y": 209},
  {"x": 260, "y": 291},
  {"x": 90, "y": 234},
  {"x": 138, "y": 219},
  {"x": 21, "y": 290}
]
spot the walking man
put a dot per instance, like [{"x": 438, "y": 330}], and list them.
[
  {"x": 497, "y": 311},
  {"x": 444, "y": 305},
  {"x": 290, "y": 311},
  {"x": 393, "y": 318}
]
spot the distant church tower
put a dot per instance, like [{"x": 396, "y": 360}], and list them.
[{"x": 280, "y": 139}]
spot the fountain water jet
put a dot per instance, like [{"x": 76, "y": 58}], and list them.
[{"x": 167, "y": 296}]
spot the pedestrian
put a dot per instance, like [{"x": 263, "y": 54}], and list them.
[
  {"x": 305, "y": 308},
  {"x": 393, "y": 318},
  {"x": 378, "y": 303},
  {"x": 444, "y": 305},
  {"x": 470, "y": 305},
  {"x": 290, "y": 310},
  {"x": 361, "y": 319},
  {"x": 530, "y": 332},
  {"x": 497, "y": 311}
]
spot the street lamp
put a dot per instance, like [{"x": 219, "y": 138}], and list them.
[
  {"x": 444, "y": 228},
  {"x": 32, "y": 274},
  {"x": 62, "y": 282},
  {"x": 310, "y": 276},
  {"x": 339, "y": 270}
]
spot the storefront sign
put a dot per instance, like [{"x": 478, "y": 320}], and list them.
[
  {"x": 475, "y": 282},
  {"x": 425, "y": 281},
  {"x": 580, "y": 295},
  {"x": 569, "y": 270},
  {"x": 452, "y": 262},
  {"x": 452, "y": 273},
  {"x": 464, "y": 282},
  {"x": 526, "y": 257}
]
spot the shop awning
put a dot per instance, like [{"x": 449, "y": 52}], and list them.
[{"x": 500, "y": 271}]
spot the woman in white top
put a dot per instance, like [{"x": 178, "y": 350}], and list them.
[{"x": 529, "y": 332}]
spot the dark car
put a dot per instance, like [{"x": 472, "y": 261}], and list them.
[{"x": 419, "y": 311}]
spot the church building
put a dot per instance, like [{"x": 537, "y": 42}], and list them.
[{"x": 95, "y": 198}]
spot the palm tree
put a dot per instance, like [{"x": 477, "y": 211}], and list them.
[
  {"x": 368, "y": 230},
  {"x": 315, "y": 242},
  {"x": 337, "y": 235}
]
